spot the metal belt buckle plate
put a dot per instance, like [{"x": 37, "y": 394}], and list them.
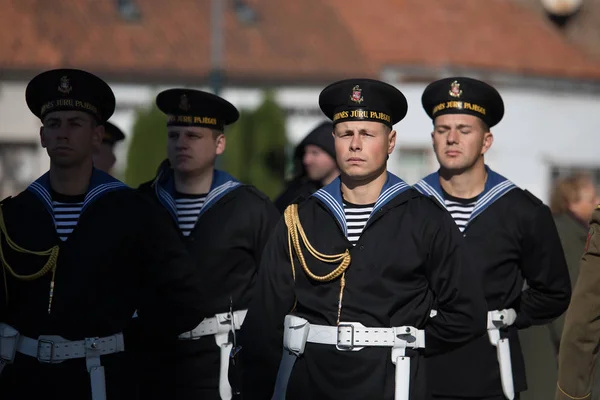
[
  {"x": 344, "y": 346},
  {"x": 39, "y": 345}
]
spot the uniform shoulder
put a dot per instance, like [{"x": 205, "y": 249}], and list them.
[
  {"x": 130, "y": 198},
  {"x": 527, "y": 195},
  {"x": 22, "y": 199},
  {"x": 141, "y": 207},
  {"x": 5, "y": 200},
  {"x": 426, "y": 201},
  {"x": 123, "y": 198},
  {"x": 524, "y": 207},
  {"x": 307, "y": 204},
  {"x": 427, "y": 212},
  {"x": 301, "y": 198},
  {"x": 146, "y": 186},
  {"x": 521, "y": 199},
  {"x": 252, "y": 193}
]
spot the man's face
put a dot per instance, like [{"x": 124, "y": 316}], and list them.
[
  {"x": 318, "y": 163},
  {"x": 586, "y": 203},
  {"x": 362, "y": 148},
  {"x": 193, "y": 149},
  {"x": 70, "y": 137},
  {"x": 104, "y": 158},
  {"x": 459, "y": 140}
]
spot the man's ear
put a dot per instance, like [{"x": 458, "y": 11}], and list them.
[
  {"x": 488, "y": 139},
  {"x": 221, "y": 143},
  {"x": 42, "y": 140},
  {"x": 391, "y": 141}
]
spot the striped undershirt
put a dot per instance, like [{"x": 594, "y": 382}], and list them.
[
  {"x": 188, "y": 209},
  {"x": 460, "y": 209},
  {"x": 357, "y": 216},
  {"x": 66, "y": 210}
]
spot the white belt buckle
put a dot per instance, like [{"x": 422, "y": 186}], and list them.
[
  {"x": 40, "y": 343},
  {"x": 338, "y": 344},
  {"x": 345, "y": 346}
]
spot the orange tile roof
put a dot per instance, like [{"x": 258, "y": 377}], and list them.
[
  {"x": 172, "y": 39},
  {"x": 498, "y": 35},
  {"x": 293, "y": 41}
]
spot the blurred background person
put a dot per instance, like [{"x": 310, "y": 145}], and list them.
[
  {"x": 314, "y": 165},
  {"x": 581, "y": 331},
  {"x": 573, "y": 198},
  {"x": 572, "y": 201},
  {"x": 105, "y": 158}
]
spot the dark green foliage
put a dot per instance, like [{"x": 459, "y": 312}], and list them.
[
  {"x": 256, "y": 143},
  {"x": 148, "y": 146}
]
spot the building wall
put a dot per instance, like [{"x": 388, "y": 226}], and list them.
[
  {"x": 541, "y": 130},
  {"x": 21, "y": 156}
]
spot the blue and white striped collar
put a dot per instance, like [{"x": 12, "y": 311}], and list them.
[
  {"x": 100, "y": 184},
  {"x": 496, "y": 186},
  {"x": 164, "y": 184},
  {"x": 331, "y": 197}
]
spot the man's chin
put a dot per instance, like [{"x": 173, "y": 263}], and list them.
[
  {"x": 188, "y": 169},
  {"x": 357, "y": 175},
  {"x": 456, "y": 166},
  {"x": 184, "y": 169},
  {"x": 314, "y": 177},
  {"x": 64, "y": 162}
]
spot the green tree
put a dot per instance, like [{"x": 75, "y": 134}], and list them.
[
  {"x": 236, "y": 157},
  {"x": 148, "y": 146},
  {"x": 256, "y": 143}
]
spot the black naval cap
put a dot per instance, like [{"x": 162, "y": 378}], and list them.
[
  {"x": 461, "y": 95},
  {"x": 363, "y": 100},
  {"x": 70, "y": 90},
  {"x": 189, "y": 107},
  {"x": 112, "y": 134}
]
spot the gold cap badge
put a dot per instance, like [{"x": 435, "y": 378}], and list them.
[
  {"x": 65, "y": 85},
  {"x": 455, "y": 89},
  {"x": 357, "y": 94},
  {"x": 184, "y": 104}
]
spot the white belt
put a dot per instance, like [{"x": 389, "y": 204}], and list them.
[
  {"x": 354, "y": 336},
  {"x": 56, "y": 349},
  {"x": 348, "y": 336},
  {"x": 496, "y": 321},
  {"x": 220, "y": 325}
]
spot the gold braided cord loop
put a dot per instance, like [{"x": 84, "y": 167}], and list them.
[
  {"x": 295, "y": 234},
  {"x": 50, "y": 265}
]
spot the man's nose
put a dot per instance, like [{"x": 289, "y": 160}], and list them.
[
  {"x": 452, "y": 136},
  {"x": 181, "y": 142},
  {"x": 62, "y": 131},
  {"x": 356, "y": 143}
]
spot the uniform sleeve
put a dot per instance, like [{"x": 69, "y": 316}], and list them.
[
  {"x": 3, "y": 282},
  {"x": 261, "y": 336},
  {"x": 573, "y": 249},
  {"x": 172, "y": 298},
  {"x": 3, "y": 305},
  {"x": 544, "y": 267},
  {"x": 578, "y": 347},
  {"x": 268, "y": 217},
  {"x": 460, "y": 302}
]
